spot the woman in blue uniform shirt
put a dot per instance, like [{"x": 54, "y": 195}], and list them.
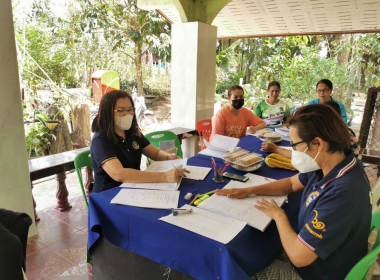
[
  {"x": 335, "y": 209},
  {"x": 117, "y": 146}
]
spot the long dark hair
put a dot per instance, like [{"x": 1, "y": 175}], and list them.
[
  {"x": 320, "y": 120},
  {"x": 104, "y": 120}
]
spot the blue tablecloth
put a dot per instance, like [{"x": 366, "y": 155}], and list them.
[{"x": 138, "y": 229}]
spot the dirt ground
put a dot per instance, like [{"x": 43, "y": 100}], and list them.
[{"x": 161, "y": 107}]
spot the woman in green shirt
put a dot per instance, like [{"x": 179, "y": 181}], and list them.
[{"x": 273, "y": 110}]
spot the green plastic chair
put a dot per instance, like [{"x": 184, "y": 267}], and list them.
[
  {"x": 158, "y": 136},
  {"x": 360, "y": 270},
  {"x": 83, "y": 159}
]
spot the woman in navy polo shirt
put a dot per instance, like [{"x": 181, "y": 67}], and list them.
[
  {"x": 335, "y": 210},
  {"x": 118, "y": 144}
]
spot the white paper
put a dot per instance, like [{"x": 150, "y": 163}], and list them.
[
  {"x": 282, "y": 130},
  {"x": 196, "y": 172},
  {"x": 207, "y": 224},
  {"x": 212, "y": 153},
  {"x": 243, "y": 209},
  {"x": 159, "y": 166},
  {"x": 222, "y": 143},
  {"x": 147, "y": 198}
]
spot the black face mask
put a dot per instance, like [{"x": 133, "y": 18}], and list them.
[{"x": 237, "y": 104}]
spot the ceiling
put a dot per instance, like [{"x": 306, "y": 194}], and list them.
[{"x": 264, "y": 18}]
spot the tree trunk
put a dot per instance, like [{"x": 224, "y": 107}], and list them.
[
  {"x": 342, "y": 60},
  {"x": 81, "y": 136},
  {"x": 224, "y": 44},
  {"x": 62, "y": 143},
  {"x": 89, "y": 81},
  {"x": 159, "y": 67},
  {"x": 138, "y": 54},
  {"x": 166, "y": 67},
  {"x": 247, "y": 73},
  {"x": 151, "y": 61}
]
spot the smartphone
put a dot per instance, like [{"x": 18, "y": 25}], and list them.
[{"x": 236, "y": 177}]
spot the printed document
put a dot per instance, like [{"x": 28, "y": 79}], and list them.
[
  {"x": 147, "y": 198},
  {"x": 159, "y": 166},
  {"x": 197, "y": 173},
  {"x": 243, "y": 209},
  {"x": 222, "y": 143},
  {"x": 208, "y": 224}
]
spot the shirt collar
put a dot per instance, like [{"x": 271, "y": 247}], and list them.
[{"x": 338, "y": 171}]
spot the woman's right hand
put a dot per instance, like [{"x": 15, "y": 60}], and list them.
[
  {"x": 233, "y": 193},
  {"x": 175, "y": 175},
  {"x": 269, "y": 147}
]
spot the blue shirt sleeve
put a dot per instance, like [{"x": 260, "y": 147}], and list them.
[
  {"x": 328, "y": 225},
  {"x": 343, "y": 112},
  {"x": 102, "y": 149},
  {"x": 304, "y": 177}
]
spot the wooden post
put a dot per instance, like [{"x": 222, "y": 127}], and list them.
[{"x": 62, "y": 193}]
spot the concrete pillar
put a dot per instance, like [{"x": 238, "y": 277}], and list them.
[
  {"x": 15, "y": 188},
  {"x": 193, "y": 73}
]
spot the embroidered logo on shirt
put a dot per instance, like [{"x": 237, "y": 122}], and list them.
[
  {"x": 317, "y": 224},
  {"x": 311, "y": 197},
  {"x": 313, "y": 232},
  {"x": 135, "y": 145}
]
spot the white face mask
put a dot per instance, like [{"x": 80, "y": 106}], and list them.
[
  {"x": 123, "y": 123},
  {"x": 303, "y": 162}
]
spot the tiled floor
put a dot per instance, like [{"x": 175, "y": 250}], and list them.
[{"x": 59, "y": 249}]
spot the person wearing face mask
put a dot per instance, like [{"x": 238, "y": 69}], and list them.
[
  {"x": 273, "y": 148},
  {"x": 324, "y": 89},
  {"x": 117, "y": 146},
  {"x": 234, "y": 120},
  {"x": 273, "y": 110},
  {"x": 335, "y": 209}
]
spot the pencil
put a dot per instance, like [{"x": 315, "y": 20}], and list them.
[{"x": 195, "y": 198}]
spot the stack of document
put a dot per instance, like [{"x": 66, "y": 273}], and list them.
[
  {"x": 147, "y": 198},
  {"x": 284, "y": 131},
  {"x": 227, "y": 212},
  {"x": 219, "y": 146},
  {"x": 159, "y": 166},
  {"x": 243, "y": 209},
  {"x": 207, "y": 224}
]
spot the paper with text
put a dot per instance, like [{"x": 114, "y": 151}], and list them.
[
  {"x": 197, "y": 172},
  {"x": 207, "y": 224},
  {"x": 243, "y": 209},
  {"x": 222, "y": 143},
  {"x": 159, "y": 166},
  {"x": 147, "y": 198}
]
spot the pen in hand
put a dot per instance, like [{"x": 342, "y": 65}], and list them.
[{"x": 183, "y": 173}]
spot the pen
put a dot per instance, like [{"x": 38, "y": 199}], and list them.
[
  {"x": 206, "y": 194},
  {"x": 180, "y": 211},
  {"x": 269, "y": 141},
  {"x": 195, "y": 198},
  {"x": 184, "y": 175}
]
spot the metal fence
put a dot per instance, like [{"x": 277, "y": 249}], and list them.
[{"x": 369, "y": 137}]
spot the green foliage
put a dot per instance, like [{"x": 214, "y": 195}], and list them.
[{"x": 38, "y": 137}]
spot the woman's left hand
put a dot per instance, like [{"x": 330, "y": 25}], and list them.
[
  {"x": 271, "y": 209},
  {"x": 173, "y": 156}
]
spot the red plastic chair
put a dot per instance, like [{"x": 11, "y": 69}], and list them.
[{"x": 204, "y": 128}]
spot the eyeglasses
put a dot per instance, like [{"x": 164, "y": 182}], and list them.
[
  {"x": 326, "y": 90},
  {"x": 294, "y": 145},
  {"x": 122, "y": 113}
]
